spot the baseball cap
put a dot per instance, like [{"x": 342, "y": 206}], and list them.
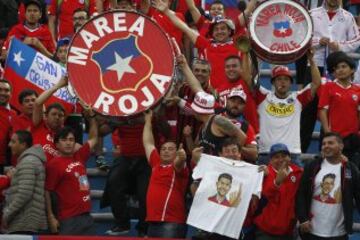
[
  {"x": 280, "y": 70},
  {"x": 277, "y": 148},
  {"x": 238, "y": 92},
  {"x": 203, "y": 103},
  {"x": 63, "y": 41},
  {"x": 220, "y": 19}
]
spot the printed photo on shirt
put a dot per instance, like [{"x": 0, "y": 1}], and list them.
[
  {"x": 223, "y": 187},
  {"x": 327, "y": 186},
  {"x": 84, "y": 183}
]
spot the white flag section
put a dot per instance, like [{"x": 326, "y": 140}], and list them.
[{"x": 222, "y": 199}]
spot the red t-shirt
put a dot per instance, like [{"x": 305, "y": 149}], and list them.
[
  {"x": 130, "y": 140},
  {"x": 343, "y": 106},
  {"x": 20, "y": 31},
  {"x": 45, "y": 137},
  {"x": 6, "y": 117},
  {"x": 67, "y": 177},
  {"x": 216, "y": 53},
  {"x": 65, "y": 26},
  {"x": 166, "y": 192},
  {"x": 167, "y": 25},
  {"x": 250, "y": 111},
  {"x": 22, "y": 122}
]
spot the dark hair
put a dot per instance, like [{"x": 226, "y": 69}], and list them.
[
  {"x": 3, "y": 80},
  {"x": 334, "y": 134},
  {"x": 225, "y": 175},
  {"x": 217, "y": 2},
  {"x": 343, "y": 58},
  {"x": 329, "y": 175},
  {"x": 33, "y": 2},
  {"x": 82, "y": 10},
  {"x": 25, "y": 137},
  {"x": 170, "y": 140},
  {"x": 63, "y": 133},
  {"x": 25, "y": 93},
  {"x": 233, "y": 57},
  {"x": 230, "y": 141},
  {"x": 57, "y": 106}
]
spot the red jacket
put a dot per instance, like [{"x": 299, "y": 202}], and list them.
[{"x": 278, "y": 216}]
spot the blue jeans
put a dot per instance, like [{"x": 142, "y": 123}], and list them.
[
  {"x": 264, "y": 159},
  {"x": 166, "y": 230}
]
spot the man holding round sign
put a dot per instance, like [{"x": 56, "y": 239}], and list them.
[{"x": 121, "y": 63}]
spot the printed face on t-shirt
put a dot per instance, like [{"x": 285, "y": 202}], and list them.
[
  {"x": 331, "y": 147},
  {"x": 221, "y": 32},
  {"x": 223, "y": 186},
  {"x": 327, "y": 184},
  {"x": 32, "y": 14},
  {"x": 168, "y": 152}
]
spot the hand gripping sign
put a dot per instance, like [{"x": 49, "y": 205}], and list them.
[
  {"x": 280, "y": 30},
  {"x": 121, "y": 63}
]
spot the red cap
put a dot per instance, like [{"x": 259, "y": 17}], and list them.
[{"x": 280, "y": 70}]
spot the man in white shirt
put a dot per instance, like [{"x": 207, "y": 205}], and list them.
[
  {"x": 280, "y": 110},
  {"x": 324, "y": 204}
]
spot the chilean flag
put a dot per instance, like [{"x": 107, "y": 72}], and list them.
[
  {"x": 282, "y": 29},
  {"x": 27, "y": 68}
]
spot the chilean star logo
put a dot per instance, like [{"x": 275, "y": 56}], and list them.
[
  {"x": 282, "y": 29},
  {"x": 122, "y": 60}
]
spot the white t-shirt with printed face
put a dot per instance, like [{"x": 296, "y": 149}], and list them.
[
  {"x": 280, "y": 118},
  {"x": 326, "y": 205},
  {"x": 222, "y": 199}
]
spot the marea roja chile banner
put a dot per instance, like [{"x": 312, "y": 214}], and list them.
[
  {"x": 27, "y": 68},
  {"x": 121, "y": 63}
]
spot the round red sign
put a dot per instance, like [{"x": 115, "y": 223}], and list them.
[
  {"x": 280, "y": 30},
  {"x": 121, "y": 63}
]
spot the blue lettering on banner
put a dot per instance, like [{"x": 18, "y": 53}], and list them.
[
  {"x": 45, "y": 84},
  {"x": 46, "y": 66}
]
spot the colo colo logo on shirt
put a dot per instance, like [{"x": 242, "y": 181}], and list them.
[{"x": 280, "y": 110}]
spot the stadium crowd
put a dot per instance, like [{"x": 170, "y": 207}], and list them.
[{"x": 215, "y": 108}]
